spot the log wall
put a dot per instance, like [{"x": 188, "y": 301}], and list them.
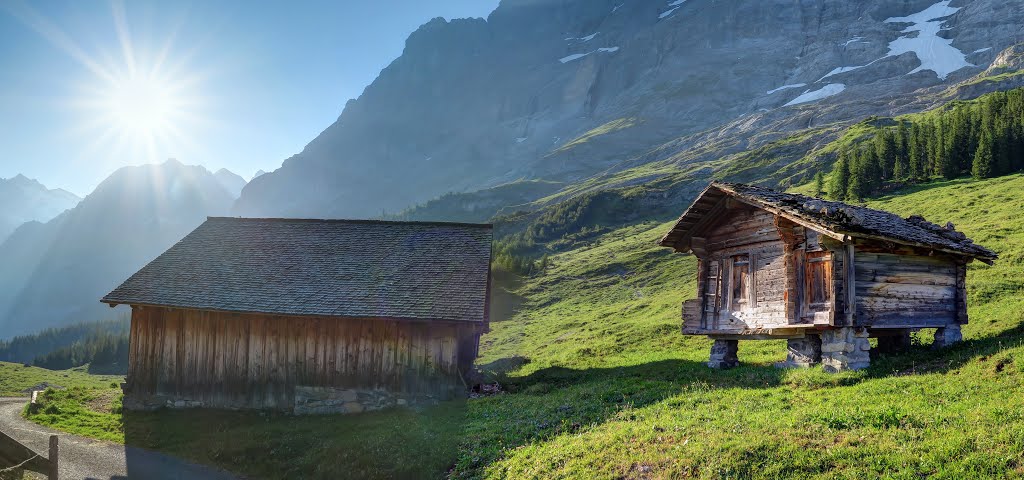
[
  {"x": 231, "y": 360},
  {"x": 905, "y": 290}
]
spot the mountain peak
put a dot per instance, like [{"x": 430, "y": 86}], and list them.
[
  {"x": 231, "y": 181},
  {"x": 23, "y": 181},
  {"x": 24, "y": 200}
]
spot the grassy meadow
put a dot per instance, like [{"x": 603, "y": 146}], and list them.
[{"x": 600, "y": 384}]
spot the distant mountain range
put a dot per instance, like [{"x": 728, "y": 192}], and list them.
[
  {"x": 55, "y": 272},
  {"x": 624, "y": 107},
  {"x": 25, "y": 200}
]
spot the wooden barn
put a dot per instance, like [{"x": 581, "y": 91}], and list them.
[
  {"x": 309, "y": 316},
  {"x": 824, "y": 275}
]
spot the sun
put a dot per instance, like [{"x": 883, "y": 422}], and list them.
[
  {"x": 134, "y": 102},
  {"x": 141, "y": 106}
]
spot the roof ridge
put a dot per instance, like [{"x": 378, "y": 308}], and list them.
[{"x": 354, "y": 221}]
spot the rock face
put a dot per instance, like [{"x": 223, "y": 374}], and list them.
[
  {"x": 25, "y": 200},
  {"x": 563, "y": 89},
  {"x": 54, "y": 273}
]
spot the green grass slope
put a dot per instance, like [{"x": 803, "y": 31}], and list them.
[
  {"x": 604, "y": 386},
  {"x": 15, "y": 377}
]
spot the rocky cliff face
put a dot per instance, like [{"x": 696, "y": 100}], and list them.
[
  {"x": 26, "y": 200},
  {"x": 54, "y": 273},
  {"x": 562, "y": 90}
]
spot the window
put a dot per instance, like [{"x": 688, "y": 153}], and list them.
[
  {"x": 711, "y": 289},
  {"x": 818, "y": 279},
  {"x": 740, "y": 282}
]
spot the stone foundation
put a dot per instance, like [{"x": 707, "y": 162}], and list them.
[
  {"x": 137, "y": 403},
  {"x": 326, "y": 400},
  {"x": 307, "y": 401},
  {"x": 947, "y": 336},
  {"x": 845, "y": 348},
  {"x": 723, "y": 354},
  {"x": 802, "y": 352}
]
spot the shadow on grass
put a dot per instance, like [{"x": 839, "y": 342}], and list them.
[
  {"x": 922, "y": 359},
  {"x": 396, "y": 443},
  {"x": 464, "y": 438}
]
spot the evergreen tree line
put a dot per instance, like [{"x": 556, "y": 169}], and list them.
[
  {"x": 103, "y": 351},
  {"x": 512, "y": 256},
  {"x": 983, "y": 138},
  {"x": 29, "y": 348}
]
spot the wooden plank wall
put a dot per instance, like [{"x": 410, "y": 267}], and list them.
[
  {"x": 897, "y": 290},
  {"x": 752, "y": 231},
  {"x": 255, "y": 361}
]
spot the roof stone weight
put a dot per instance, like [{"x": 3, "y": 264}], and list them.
[{"x": 835, "y": 217}]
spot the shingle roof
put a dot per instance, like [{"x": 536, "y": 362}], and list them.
[
  {"x": 350, "y": 268},
  {"x": 836, "y": 217}
]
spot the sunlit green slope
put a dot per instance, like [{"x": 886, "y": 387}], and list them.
[{"x": 607, "y": 387}]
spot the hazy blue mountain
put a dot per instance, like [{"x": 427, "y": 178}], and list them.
[
  {"x": 231, "y": 181},
  {"x": 24, "y": 200},
  {"x": 54, "y": 273}
]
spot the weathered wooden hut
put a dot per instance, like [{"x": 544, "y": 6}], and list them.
[
  {"x": 310, "y": 316},
  {"x": 824, "y": 275}
]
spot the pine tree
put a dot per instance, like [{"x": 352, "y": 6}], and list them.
[
  {"x": 916, "y": 149},
  {"x": 983, "y": 159},
  {"x": 819, "y": 184},
  {"x": 871, "y": 171},
  {"x": 839, "y": 181},
  {"x": 857, "y": 187},
  {"x": 885, "y": 154}
]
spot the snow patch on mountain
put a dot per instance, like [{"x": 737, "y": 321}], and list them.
[
  {"x": 813, "y": 96},
  {"x": 785, "y": 87},
  {"x": 934, "y": 52},
  {"x": 583, "y": 39},
  {"x": 673, "y": 6},
  {"x": 838, "y": 70},
  {"x": 982, "y": 50},
  {"x": 852, "y": 40},
  {"x": 577, "y": 56}
]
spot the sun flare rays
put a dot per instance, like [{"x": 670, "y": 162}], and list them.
[{"x": 135, "y": 104}]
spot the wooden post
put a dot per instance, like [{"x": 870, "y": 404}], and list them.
[
  {"x": 851, "y": 285},
  {"x": 53, "y": 474}
]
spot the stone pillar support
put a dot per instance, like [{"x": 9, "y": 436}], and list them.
[
  {"x": 845, "y": 348},
  {"x": 802, "y": 352},
  {"x": 723, "y": 354},
  {"x": 947, "y": 336}
]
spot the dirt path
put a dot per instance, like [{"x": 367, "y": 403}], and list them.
[{"x": 83, "y": 458}]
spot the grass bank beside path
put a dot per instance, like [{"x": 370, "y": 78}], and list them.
[{"x": 15, "y": 377}]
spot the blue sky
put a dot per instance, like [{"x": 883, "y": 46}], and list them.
[{"x": 242, "y": 84}]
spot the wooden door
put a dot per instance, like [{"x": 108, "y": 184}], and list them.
[{"x": 817, "y": 299}]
